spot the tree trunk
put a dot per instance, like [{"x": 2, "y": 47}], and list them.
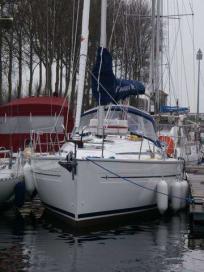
[
  {"x": 31, "y": 67},
  {"x": 49, "y": 80},
  {"x": 73, "y": 95},
  {"x": 40, "y": 79},
  {"x": 67, "y": 78},
  {"x": 61, "y": 76},
  {"x": 19, "y": 66},
  {"x": 10, "y": 69},
  {"x": 57, "y": 74}
]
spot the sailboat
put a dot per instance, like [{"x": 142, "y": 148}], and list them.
[
  {"x": 179, "y": 134},
  {"x": 112, "y": 166},
  {"x": 11, "y": 176}
]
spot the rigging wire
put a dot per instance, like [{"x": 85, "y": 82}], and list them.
[
  {"x": 107, "y": 92},
  {"x": 114, "y": 24},
  {"x": 193, "y": 44},
  {"x": 187, "y": 199},
  {"x": 183, "y": 60},
  {"x": 170, "y": 77},
  {"x": 187, "y": 19},
  {"x": 174, "y": 59},
  {"x": 57, "y": 119},
  {"x": 124, "y": 51},
  {"x": 73, "y": 68},
  {"x": 169, "y": 67},
  {"x": 54, "y": 22},
  {"x": 170, "y": 57},
  {"x": 176, "y": 63},
  {"x": 76, "y": 29},
  {"x": 73, "y": 43},
  {"x": 192, "y": 35},
  {"x": 47, "y": 28}
]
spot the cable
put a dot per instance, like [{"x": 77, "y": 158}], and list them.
[
  {"x": 183, "y": 60},
  {"x": 187, "y": 199}
]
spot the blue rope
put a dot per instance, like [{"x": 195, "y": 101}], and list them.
[{"x": 187, "y": 199}]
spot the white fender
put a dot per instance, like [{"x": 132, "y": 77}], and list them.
[
  {"x": 162, "y": 196},
  {"x": 184, "y": 192},
  {"x": 29, "y": 182},
  {"x": 176, "y": 195}
]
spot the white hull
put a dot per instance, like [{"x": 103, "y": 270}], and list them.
[
  {"x": 7, "y": 185},
  {"x": 10, "y": 175},
  {"x": 94, "y": 192}
]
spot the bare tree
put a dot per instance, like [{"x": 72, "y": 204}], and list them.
[{"x": 45, "y": 41}]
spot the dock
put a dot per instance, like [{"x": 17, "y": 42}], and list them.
[
  {"x": 196, "y": 208},
  {"x": 195, "y": 169}
]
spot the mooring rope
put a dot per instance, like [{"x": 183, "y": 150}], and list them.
[{"x": 187, "y": 199}]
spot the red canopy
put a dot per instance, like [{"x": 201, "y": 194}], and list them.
[
  {"x": 42, "y": 105},
  {"x": 37, "y": 107}
]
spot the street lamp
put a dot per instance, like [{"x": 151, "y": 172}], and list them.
[{"x": 199, "y": 57}]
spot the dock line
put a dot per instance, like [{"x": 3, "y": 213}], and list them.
[{"x": 187, "y": 199}]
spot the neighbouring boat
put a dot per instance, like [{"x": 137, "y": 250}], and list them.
[
  {"x": 110, "y": 169},
  {"x": 180, "y": 135},
  {"x": 11, "y": 177},
  {"x": 20, "y": 117}
]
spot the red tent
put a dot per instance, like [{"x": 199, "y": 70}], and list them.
[{"x": 27, "y": 118}]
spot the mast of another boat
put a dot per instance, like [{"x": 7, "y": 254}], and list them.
[
  {"x": 82, "y": 62},
  {"x": 156, "y": 56},
  {"x": 103, "y": 44},
  {"x": 157, "y": 59},
  {"x": 152, "y": 61}
]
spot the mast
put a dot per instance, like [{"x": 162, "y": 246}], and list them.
[
  {"x": 103, "y": 38},
  {"x": 157, "y": 59},
  {"x": 152, "y": 60},
  {"x": 161, "y": 44},
  {"x": 82, "y": 61},
  {"x": 103, "y": 44},
  {"x": 199, "y": 57}
]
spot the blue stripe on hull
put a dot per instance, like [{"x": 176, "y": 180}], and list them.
[
  {"x": 102, "y": 213},
  {"x": 65, "y": 213}
]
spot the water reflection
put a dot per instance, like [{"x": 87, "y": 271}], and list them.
[
  {"x": 30, "y": 243},
  {"x": 11, "y": 244}
]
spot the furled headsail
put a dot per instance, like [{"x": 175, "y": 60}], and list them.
[{"x": 105, "y": 86}]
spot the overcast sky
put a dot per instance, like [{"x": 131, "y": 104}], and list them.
[{"x": 186, "y": 36}]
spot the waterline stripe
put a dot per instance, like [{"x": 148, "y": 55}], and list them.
[
  {"x": 103, "y": 213},
  {"x": 119, "y": 211},
  {"x": 59, "y": 210}
]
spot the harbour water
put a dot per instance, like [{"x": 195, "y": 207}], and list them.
[{"x": 33, "y": 242}]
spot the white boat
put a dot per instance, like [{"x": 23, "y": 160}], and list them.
[
  {"x": 106, "y": 171},
  {"x": 182, "y": 137},
  {"x": 10, "y": 175},
  {"x": 91, "y": 186}
]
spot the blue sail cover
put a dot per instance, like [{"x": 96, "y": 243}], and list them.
[
  {"x": 105, "y": 83},
  {"x": 174, "y": 109}
]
